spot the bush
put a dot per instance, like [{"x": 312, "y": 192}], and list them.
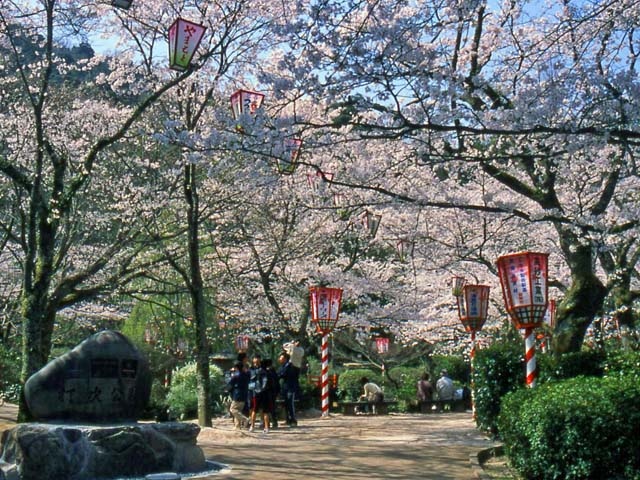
[
  {"x": 498, "y": 370},
  {"x": 349, "y": 385},
  {"x": 182, "y": 398},
  {"x": 10, "y": 367},
  {"x": 403, "y": 385},
  {"x": 569, "y": 365},
  {"x": 574, "y": 429},
  {"x": 457, "y": 367}
]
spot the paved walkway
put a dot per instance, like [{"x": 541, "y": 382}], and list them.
[{"x": 393, "y": 447}]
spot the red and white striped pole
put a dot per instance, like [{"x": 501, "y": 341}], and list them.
[
  {"x": 325, "y": 375},
  {"x": 472, "y": 383},
  {"x": 530, "y": 356}
]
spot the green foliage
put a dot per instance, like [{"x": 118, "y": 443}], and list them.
[
  {"x": 349, "y": 382},
  {"x": 580, "y": 428},
  {"x": 623, "y": 362},
  {"x": 403, "y": 385},
  {"x": 570, "y": 365},
  {"x": 497, "y": 370},
  {"x": 182, "y": 397},
  {"x": 9, "y": 372},
  {"x": 458, "y": 368}
]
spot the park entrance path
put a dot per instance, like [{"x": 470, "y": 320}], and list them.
[
  {"x": 434, "y": 446},
  {"x": 390, "y": 447}
]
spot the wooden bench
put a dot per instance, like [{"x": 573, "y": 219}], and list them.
[
  {"x": 437, "y": 406},
  {"x": 351, "y": 408}
]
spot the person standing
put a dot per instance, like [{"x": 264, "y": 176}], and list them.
[
  {"x": 289, "y": 374},
  {"x": 238, "y": 386},
  {"x": 258, "y": 393},
  {"x": 272, "y": 391},
  {"x": 425, "y": 388},
  {"x": 445, "y": 389}
]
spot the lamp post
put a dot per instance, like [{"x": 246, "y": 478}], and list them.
[
  {"x": 523, "y": 277},
  {"x": 325, "y": 309},
  {"x": 184, "y": 38},
  {"x": 473, "y": 304}
]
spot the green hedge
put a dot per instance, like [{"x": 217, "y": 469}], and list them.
[
  {"x": 580, "y": 428},
  {"x": 498, "y": 370}
]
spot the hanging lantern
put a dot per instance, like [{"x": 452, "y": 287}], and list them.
[
  {"x": 370, "y": 222},
  {"x": 382, "y": 345},
  {"x": 242, "y": 343},
  {"x": 245, "y": 102},
  {"x": 124, "y": 4},
  {"x": 404, "y": 248},
  {"x": 456, "y": 285},
  {"x": 288, "y": 160},
  {"x": 473, "y": 304},
  {"x": 523, "y": 277},
  {"x": 325, "y": 307},
  {"x": 315, "y": 180},
  {"x": 184, "y": 38}
]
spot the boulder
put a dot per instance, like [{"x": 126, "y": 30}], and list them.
[
  {"x": 103, "y": 379},
  {"x": 39, "y": 451}
]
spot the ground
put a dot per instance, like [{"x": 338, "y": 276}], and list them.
[{"x": 402, "y": 446}]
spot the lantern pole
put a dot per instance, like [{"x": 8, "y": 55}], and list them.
[
  {"x": 324, "y": 375},
  {"x": 523, "y": 277},
  {"x": 325, "y": 309}
]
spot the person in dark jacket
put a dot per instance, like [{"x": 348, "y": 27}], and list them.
[
  {"x": 259, "y": 393},
  {"x": 289, "y": 374},
  {"x": 238, "y": 387},
  {"x": 273, "y": 390}
]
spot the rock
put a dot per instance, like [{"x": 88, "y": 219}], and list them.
[
  {"x": 104, "y": 379},
  {"x": 46, "y": 451}
]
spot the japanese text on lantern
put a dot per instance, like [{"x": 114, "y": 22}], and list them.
[
  {"x": 538, "y": 281},
  {"x": 188, "y": 33},
  {"x": 473, "y": 307}
]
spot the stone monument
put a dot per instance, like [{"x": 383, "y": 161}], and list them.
[{"x": 87, "y": 403}]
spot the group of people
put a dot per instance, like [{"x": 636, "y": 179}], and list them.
[
  {"x": 444, "y": 387},
  {"x": 255, "y": 388}
]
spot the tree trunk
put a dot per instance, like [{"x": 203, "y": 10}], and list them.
[
  {"x": 196, "y": 291},
  {"x": 582, "y": 302}
]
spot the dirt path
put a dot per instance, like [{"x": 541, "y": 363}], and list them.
[{"x": 387, "y": 447}]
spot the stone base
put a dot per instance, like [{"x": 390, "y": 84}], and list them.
[{"x": 36, "y": 451}]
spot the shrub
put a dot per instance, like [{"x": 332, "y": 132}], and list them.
[
  {"x": 570, "y": 365},
  {"x": 498, "y": 370},
  {"x": 182, "y": 398},
  {"x": 403, "y": 385},
  {"x": 574, "y": 429},
  {"x": 456, "y": 366},
  {"x": 349, "y": 382},
  {"x": 10, "y": 367}
]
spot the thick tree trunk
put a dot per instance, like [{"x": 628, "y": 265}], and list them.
[
  {"x": 582, "y": 302},
  {"x": 36, "y": 340}
]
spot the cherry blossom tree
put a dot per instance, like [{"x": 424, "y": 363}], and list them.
[{"x": 503, "y": 110}]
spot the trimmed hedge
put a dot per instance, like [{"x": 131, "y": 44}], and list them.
[
  {"x": 498, "y": 370},
  {"x": 581, "y": 428},
  {"x": 349, "y": 385}
]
